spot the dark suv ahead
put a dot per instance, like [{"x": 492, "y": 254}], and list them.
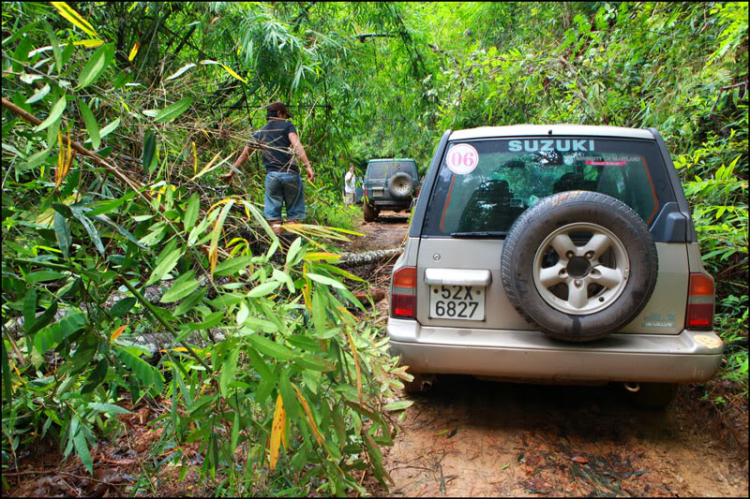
[{"x": 390, "y": 184}]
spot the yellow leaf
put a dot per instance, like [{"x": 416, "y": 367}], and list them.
[
  {"x": 229, "y": 70},
  {"x": 315, "y": 257},
  {"x": 134, "y": 51},
  {"x": 219, "y": 203},
  {"x": 277, "y": 430},
  {"x": 75, "y": 18},
  {"x": 89, "y": 43},
  {"x": 117, "y": 332},
  {"x": 310, "y": 418},
  {"x": 195, "y": 160},
  {"x": 356, "y": 364},
  {"x": 306, "y": 296},
  {"x": 213, "y": 257},
  {"x": 208, "y": 166}
]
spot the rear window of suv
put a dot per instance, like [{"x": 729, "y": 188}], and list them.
[
  {"x": 510, "y": 175},
  {"x": 381, "y": 170}
]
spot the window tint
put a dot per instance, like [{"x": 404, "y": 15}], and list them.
[
  {"x": 382, "y": 170},
  {"x": 512, "y": 175}
]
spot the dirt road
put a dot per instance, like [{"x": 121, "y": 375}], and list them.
[{"x": 481, "y": 438}]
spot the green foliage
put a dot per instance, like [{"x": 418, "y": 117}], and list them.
[{"x": 172, "y": 111}]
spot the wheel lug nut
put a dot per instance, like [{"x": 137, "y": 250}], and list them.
[
  {"x": 569, "y": 254},
  {"x": 579, "y": 283},
  {"x": 590, "y": 255}
]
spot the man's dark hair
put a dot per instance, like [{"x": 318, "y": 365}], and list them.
[{"x": 274, "y": 108}]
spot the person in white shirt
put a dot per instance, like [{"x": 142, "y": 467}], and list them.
[{"x": 350, "y": 189}]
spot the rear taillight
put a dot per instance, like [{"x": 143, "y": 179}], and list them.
[
  {"x": 700, "y": 308},
  {"x": 404, "y": 293}
]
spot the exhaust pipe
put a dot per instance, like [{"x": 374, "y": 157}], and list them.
[{"x": 632, "y": 387}]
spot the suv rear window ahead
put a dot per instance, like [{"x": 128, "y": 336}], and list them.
[
  {"x": 514, "y": 174},
  {"x": 382, "y": 170}
]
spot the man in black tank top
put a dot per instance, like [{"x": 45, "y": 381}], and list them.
[{"x": 278, "y": 141}]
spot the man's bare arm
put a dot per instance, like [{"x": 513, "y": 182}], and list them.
[
  {"x": 238, "y": 162},
  {"x": 300, "y": 151}
]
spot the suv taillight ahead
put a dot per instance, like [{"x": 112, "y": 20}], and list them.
[
  {"x": 404, "y": 293},
  {"x": 700, "y": 308}
]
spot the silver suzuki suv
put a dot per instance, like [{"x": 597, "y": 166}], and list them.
[{"x": 559, "y": 253}]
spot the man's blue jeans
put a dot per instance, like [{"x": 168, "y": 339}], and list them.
[{"x": 284, "y": 188}]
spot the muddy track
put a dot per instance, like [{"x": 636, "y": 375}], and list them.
[{"x": 469, "y": 437}]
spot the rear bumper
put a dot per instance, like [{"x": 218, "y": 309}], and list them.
[{"x": 681, "y": 358}]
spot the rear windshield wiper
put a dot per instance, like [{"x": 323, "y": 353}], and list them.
[{"x": 479, "y": 234}]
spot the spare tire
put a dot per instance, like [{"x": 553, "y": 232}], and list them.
[
  {"x": 401, "y": 185},
  {"x": 579, "y": 264}
]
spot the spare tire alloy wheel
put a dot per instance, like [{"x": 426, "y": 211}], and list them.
[
  {"x": 400, "y": 185},
  {"x": 580, "y": 265}
]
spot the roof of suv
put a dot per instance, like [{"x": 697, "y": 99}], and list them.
[
  {"x": 553, "y": 130},
  {"x": 390, "y": 159}
]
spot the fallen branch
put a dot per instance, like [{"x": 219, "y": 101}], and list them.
[{"x": 356, "y": 259}]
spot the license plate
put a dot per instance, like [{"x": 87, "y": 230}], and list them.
[
  {"x": 377, "y": 193},
  {"x": 457, "y": 302}
]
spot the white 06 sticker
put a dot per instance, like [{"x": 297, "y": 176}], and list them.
[{"x": 462, "y": 159}]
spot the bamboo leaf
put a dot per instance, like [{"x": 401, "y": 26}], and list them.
[
  {"x": 399, "y": 405},
  {"x": 181, "y": 71},
  {"x": 82, "y": 447},
  {"x": 6, "y": 375},
  {"x": 187, "y": 304},
  {"x": 278, "y": 427},
  {"x": 93, "y": 233},
  {"x": 39, "y": 94},
  {"x": 325, "y": 280},
  {"x": 181, "y": 288},
  {"x": 263, "y": 289},
  {"x": 310, "y": 418},
  {"x": 62, "y": 234},
  {"x": 270, "y": 348},
  {"x": 119, "y": 228},
  {"x": 293, "y": 250},
  {"x": 109, "y": 408},
  {"x": 123, "y": 306},
  {"x": 95, "y": 66},
  {"x": 228, "y": 368},
  {"x": 134, "y": 51},
  {"x": 55, "y": 46},
  {"x": 232, "y": 265},
  {"x": 174, "y": 110},
  {"x": 109, "y": 128},
  {"x": 166, "y": 265},
  {"x": 54, "y": 114},
  {"x": 357, "y": 365},
  {"x": 215, "y": 233},
  {"x": 74, "y": 17},
  {"x": 29, "y": 308},
  {"x": 89, "y": 43},
  {"x": 40, "y": 322},
  {"x": 149, "y": 147},
  {"x": 116, "y": 333},
  {"x": 91, "y": 125},
  {"x": 191, "y": 212}
]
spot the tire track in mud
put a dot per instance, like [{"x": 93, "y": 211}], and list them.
[{"x": 484, "y": 438}]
